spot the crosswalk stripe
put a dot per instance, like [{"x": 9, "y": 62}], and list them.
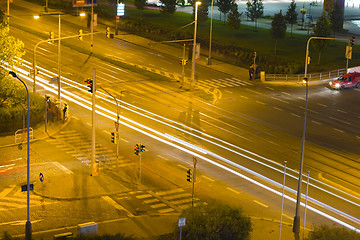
[
  {"x": 176, "y": 190},
  {"x": 177, "y": 196},
  {"x": 143, "y": 196},
  {"x": 158, "y": 205},
  {"x": 6, "y": 191},
  {"x": 166, "y": 210}
]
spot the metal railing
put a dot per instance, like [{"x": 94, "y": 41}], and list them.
[{"x": 299, "y": 77}]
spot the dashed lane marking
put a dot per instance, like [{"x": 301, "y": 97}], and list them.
[
  {"x": 295, "y": 115},
  {"x": 315, "y": 122},
  {"x": 260, "y": 102},
  {"x": 233, "y": 190},
  {"x": 261, "y": 204},
  {"x": 209, "y": 179},
  {"x": 338, "y": 130},
  {"x": 279, "y": 109},
  {"x": 320, "y": 104}
]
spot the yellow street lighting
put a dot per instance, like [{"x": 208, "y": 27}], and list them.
[
  {"x": 82, "y": 14},
  {"x": 36, "y": 17}
]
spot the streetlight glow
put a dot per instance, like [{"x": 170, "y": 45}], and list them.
[
  {"x": 82, "y": 14},
  {"x": 36, "y": 17}
]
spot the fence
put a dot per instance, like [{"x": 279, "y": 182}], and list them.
[{"x": 299, "y": 77}]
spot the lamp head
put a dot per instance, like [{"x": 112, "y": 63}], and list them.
[
  {"x": 198, "y": 3},
  {"x": 36, "y": 17},
  {"x": 82, "y": 14},
  {"x": 12, "y": 74},
  {"x": 305, "y": 80}
]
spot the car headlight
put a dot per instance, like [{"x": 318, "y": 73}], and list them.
[
  {"x": 337, "y": 85},
  {"x": 330, "y": 83}
]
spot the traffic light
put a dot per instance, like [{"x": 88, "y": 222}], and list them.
[
  {"x": 254, "y": 55},
  {"x": 309, "y": 60},
  {"x": 142, "y": 147},
  {"x": 136, "y": 149},
  {"x": 51, "y": 36},
  {"x": 90, "y": 84},
  {"x": 80, "y": 35},
  {"x": 47, "y": 98},
  {"x": 108, "y": 32},
  {"x": 114, "y": 137},
  {"x": 352, "y": 40},
  {"x": 189, "y": 175},
  {"x": 36, "y": 72}
]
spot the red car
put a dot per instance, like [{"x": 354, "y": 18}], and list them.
[{"x": 346, "y": 81}]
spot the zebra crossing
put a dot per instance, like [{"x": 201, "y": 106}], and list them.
[
  {"x": 160, "y": 202},
  {"x": 12, "y": 198},
  {"x": 78, "y": 146},
  {"x": 219, "y": 82}
]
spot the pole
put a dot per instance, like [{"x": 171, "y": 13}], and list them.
[
  {"x": 180, "y": 232},
  {"x": 116, "y": 20},
  {"x": 46, "y": 120},
  {"x": 183, "y": 67},
  {"x": 46, "y": 6},
  {"x": 94, "y": 171},
  {"x": 282, "y": 199},
  {"x": 194, "y": 179},
  {"x": 211, "y": 20},
  {"x": 194, "y": 44},
  {"x": 92, "y": 25},
  {"x": 253, "y": 76},
  {"x": 28, "y": 231},
  {"x": 306, "y": 198},
  {"x": 59, "y": 61},
  {"x": 8, "y": 13},
  {"x": 140, "y": 167}
]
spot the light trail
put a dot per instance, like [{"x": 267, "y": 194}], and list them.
[{"x": 70, "y": 96}]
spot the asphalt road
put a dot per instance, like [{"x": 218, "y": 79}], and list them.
[{"x": 264, "y": 121}]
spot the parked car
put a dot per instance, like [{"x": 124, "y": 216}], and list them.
[{"x": 346, "y": 81}]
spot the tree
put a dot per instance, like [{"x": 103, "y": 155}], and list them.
[
  {"x": 225, "y": 6},
  {"x": 203, "y": 11},
  {"x": 321, "y": 29},
  {"x": 140, "y": 4},
  {"x": 336, "y": 18},
  {"x": 324, "y": 232},
  {"x": 254, "y": 10},
  {"x": 233, "y": 20},
  {"x": 169, "y": 6},
  {"x": 12, "y": 49},
  {"x": 278, "y": 28},
  {"x": 215, "y": 221},
  {"x": 1, "y": 16},
  {"x": 291, "y": 14}
]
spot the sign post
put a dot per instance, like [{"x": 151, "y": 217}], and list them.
[{"x": 181, "y": 223}]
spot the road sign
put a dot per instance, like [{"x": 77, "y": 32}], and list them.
[
  {"x": 24, "y": 187},
  {"x": 181, "y": 222},
  {"x": 41, "y": 176}
]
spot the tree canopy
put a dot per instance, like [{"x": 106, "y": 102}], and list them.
[
  {"x": 169, "y": 6},
  {"x": 291, "y": 14},
  {"x": 336, "y": 18},
  {"x": 278, "y": 27},
  {"x": 324, "y": 232},
  {"x": 321, "y": 29},
  {"x": 234, "y": 20},
  {"x": 203, "y": 10},
  {"x": 215, "y": 221},
  {"x": 254, "y": 10},
  {"x": 224, "y": 6},
  {"x": 140, "y": 4}
]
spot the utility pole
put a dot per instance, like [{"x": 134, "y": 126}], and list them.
[
  {"x": 94, "y": 170},
  {"x": 194, "y": 179},
  {"x": 59, "y": 67}
]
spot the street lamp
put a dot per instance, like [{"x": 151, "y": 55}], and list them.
[
  {"x": 212, "y": 6},
  {"x": 28, "y": 223},
  {"x": 59, "y": 59},
  {"x": 194, "y": 44}
]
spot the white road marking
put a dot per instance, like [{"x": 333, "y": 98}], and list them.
[
  {"x": 6, "y": 191},
  {"x": 338, "y": 130},
  {"x": 260, "y": 102},
  {"x": 261, "y": 204},
  {"x": 340, "y": 120},
  {"x": 207, "y": 178},
  {"x": 277, "y": 108},
  {"x": 286, "y": 93},
  {"x": 339, "y": 110},
  {"x": 66, "y": 170},
  {"x": 320, "y": 104},
  {"x": 270, "y": 88},
  {"x": 233, "y": 190},
  {"x": 227, "y": 91},
  {"x": 280, "y": 100},
  {"x": 315, "y": 122},
  {"x": 253, "y": 91},
  {"x": 124, "y": 140},
  {"x": 295, "y": 115},
  {"x": 183, "y": 167},
  {"x": 243, "y": 97},
  {"x": 116, "y": 205},
  {"x": 162, "y": 157}
]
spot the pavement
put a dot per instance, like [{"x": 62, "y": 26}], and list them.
[{"x": 57, "y": 190}]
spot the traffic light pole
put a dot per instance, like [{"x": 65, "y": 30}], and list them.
[
  {"x": 194, "y": 179},
  {"x": 94, "y": 171},
  {"x": 140, "y": 168},
  {"x": 46, "y": 115}
]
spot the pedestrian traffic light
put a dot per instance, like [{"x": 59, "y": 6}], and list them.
[
  {"x": 51, "y": 36},
  {"x": 309, "y": 60},
  {"x": 80, "y": 35},
  {"x": 36, "y": 71},
  {"x": 47, "y": 98},
  {"x": 189, "y": 175},
  {"x": 254, "y": 55},
  {"x": 90, "y": 84},
  {"x": 142, "y": 147},
  {"x": 136, "y": 149},
  {"x": 114, "y": 137},
  {"x": 108, "y": 32}
]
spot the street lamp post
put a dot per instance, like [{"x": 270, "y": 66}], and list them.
[
  {"x": 211, "y": 20},
  {"x": 8, "y": 13},
  {"x": 194, "y": 44},
  {"x": 28, "y": 223}
]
